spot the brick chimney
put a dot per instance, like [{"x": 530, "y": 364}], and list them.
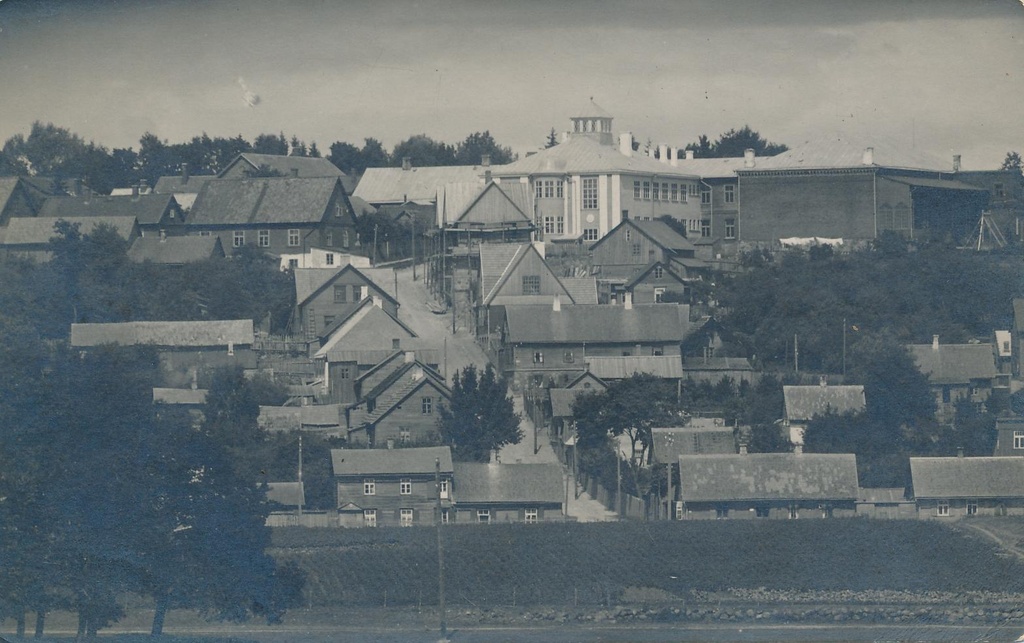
[
  {"x": 626, "y": 143},
  {"x": 663, "y": 153},
  {"x": 689, "y": 155},
  {"x": 673, "y": 156},
  {"x": 935, "y": 342},
  {"x": 748, "y": 157},
  {"x": 869, "y": 156},
  {"x": 406, "y": 163},
  {"x": 485, "y": 160}
]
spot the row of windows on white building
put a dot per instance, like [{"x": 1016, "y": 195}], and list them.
[{"x": 294, "y": 238}]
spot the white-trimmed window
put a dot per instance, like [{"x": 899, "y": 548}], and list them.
[
  {"x": 693, "y": 225},
  {"x": 705, "y": 227},
  {"x": 444, "y": 516},
  {"x": 568, "y": 357},
  {"x": 656, "y": 191},
  {"x": 647, "y": 191},
  {"x": 636, "y": 189},
  {"x": 558, "y": 188},
  {"x": 721, "y": 513},
  {"x": 942, "y": 508},
  {"x": 530, "y": 516},
  {"x": 369, "y": 517},
  {"x": 344, "y": 239},
  {"x": 664, "y": 191},
  {"x": 263, "y": 238},
  {"x": 794, "y": 512},
  {"x": 730, "y": 193},
  {"x": 675, "y": 192},
  {"x": 238, "y": 238},
  {"x": 658, "y": 272},
  {"x": 590, "y": 234},
  {"x": 405, "y": 517},
  {"x": 972, "y": 507},
  {"x": 1018, "y": 439},
  {"x": 538, "y": 357},
  {"x": 404, "y": 435},
  {"x": 705, "y": 197},
  {"x": 483, "y": 515},
  {"x": 369, "y": 487},
  {"x": 531, "y": 284},
  {"x": 293, "y": 237},
  {"x": 539, "y": 189},
  {"x": 679, "y": 510},
  {"x": 549, "y": 189},
  {"x": 730, "y": 228},
  {"x": 329, "y": 259},
  {"x": 590, "y": 194},
  {"x": 693, "y": 189},
  {"x": 405, "y": 487},
  {"x": 444, "y": 489},
  {"x": 427, "y": 405},
  {"x": 659, "y": 295}
]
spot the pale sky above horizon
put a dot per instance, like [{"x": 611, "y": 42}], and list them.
[{"x": 937, "y": 76}]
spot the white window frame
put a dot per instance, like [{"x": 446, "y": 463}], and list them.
[
  {"x": 444, "y": 489},
  {"x": 693, "y": 189},
  {"x": 263, "y": 238},
  {"x": 406, "y": 517},
  {"x": 1018, "y": 439},
  {"x": 404, "y": 435},
  {"x": 530, "y": 516},
  {"x": 483, "y": 516},
  {"x": 538, "y": 192},
  {"x": 590, "y": 234},
  {"x": 658, "y": 272},
  {"x": 675, "y": 193},
  {"x": 426, "y": 405},
  {"x": 238, "y": 238},
  {"x": 730, "y": 228},
  {"x": 531, "y": 284},
  {"x": 405, "y": 487},
  {"x": 559, "y": 188},
  {"x": 444, "y": 516},
  {"x": 705, "y": 228},
  {"x": 293, "y": 237},
  {"x": 659, "y": 295},
  {"x": 942, "y": 508},
  {"x": 655, "y": 191},
  {"x": 705, "y": 197},
  {"x": 794, "y": 512},
  {"x": 369, "y": 517},
  {"x": 590, "y": 192},
  {"x": 664, "y": 191},
  {"x": 729, "y": 193},
  {"x": 636, "y": 190},
  {"x": 369, "y": 487},
  {"x": 538, "y": 357},
  {"x": 329, "y": 259},
  {"x": 972, "y": 507}
]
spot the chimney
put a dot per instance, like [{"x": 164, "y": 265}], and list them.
[
  {"x": 378, "y": 302},
  {"x": 406, "y": 163},
  {"x": 626, "y": 143},
  {"x": 556, "y": 304},
  {"x": 663, "y": 153},
  {"x": 135, "y": 191},
  {"x": 935, "y": 342},
  {"x": 689, "y": 155},
  {"x": 869, "y": 156},
  {"x": 798, "y": 449},
  {"x": 144, "y": 186},
  {"x": 743, "y": 448},
  {"x": 673, "y": 156},
  {"x": 627, "y": 300},
  {"x": 823, "y": 381},
  {"x": 410, "y": 357},
  {"x": 959, "y": 452},
  {"x": 184, "y": 173},
  {"x": 485, "y": 160},
  {"x": 295, "y": 172},
  {"x": 956, "y": 162},
  {"x": 487, "y": 177},
  {"x": 748, "y": 157},
  {"x": 650, "y": 151}
]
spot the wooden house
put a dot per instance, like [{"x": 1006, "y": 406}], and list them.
[
  {"x": 29, "y": 237},
  {"x": 401, "y": 409},
  {"x": 286, "y": 500},
  {"x": 502, "y": 493},
  {"x": 157, "y": 214},
  {"x": 246, "y": 164},
  {"x": 472, "y": 213},
  {"x": 325, "y": 296},
  {"x": 1018, "y": 337},
  {"x": 951, "y": 488},
  {"x": 702, "y": 436},
  {"x": 885, "y": 502},
  {"x": 175, "y": 251},
  {"x": 958, "y": 372},
  {"x": 804, "y": 403},
  {"x": 1009, "y": 436},
  {"x": 391, "y": 487}
]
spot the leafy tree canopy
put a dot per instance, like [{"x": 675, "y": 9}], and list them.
[
  {"x": 480, "y": 417},
  {"x": 1011, "y": 162},
  {"x": 733, "y": 143},
  {"x": 423, "y": 151},
  {"x": 471, "y": 150}
]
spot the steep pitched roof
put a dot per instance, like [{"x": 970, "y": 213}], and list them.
[
  {"x": 39, "y": 230},
  {"x": 459, "y": 203},
  {"x": 598, "y": 324},
  {"x": 394, "y": 391},
  {"x": 842, "y": 153},
  {"x": 672, "y": 442},
  {"x": 661, "y": 234},
  {"x": 954, "y": 363},
  {"x": 805, "y": 402},
  {"x": 265, "y": 200},
  {"x": 148, "y": 209},
  {"x": 311, "y": 281},
  {"x": 289, "y": 494},
  {"x": 522, "y": 252},
  {"x": 946, "y": 478},
  {"x": 419, "y": 184},
  {"x": 165, "y": 333},
  {"x": 494, "y": 261},
  {"x": 177, "y": 184},
  {"x": 366, "y": 313},
  {"x": 584, "y": 377},
  {"x": 355, "y": 462},
  {"x": 648, "y": 270},
  {"x": 507, "y": 483},
  {"x": 768, "y": 476},
  {"x": 307, "y": 166},
  {"x": 618, "y": 367},
  {"x": 175, "y": 250},
  {"x": 582, "y": 290},
  {"x": 582, "y": 155}
]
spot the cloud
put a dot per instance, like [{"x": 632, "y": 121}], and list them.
[{"x": 249, "y": 97}]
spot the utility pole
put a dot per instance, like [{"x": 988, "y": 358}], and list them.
[
  {"x": 796, "y": 353},
  {"x": 395, "y": 272},
  {"x": 618, "y": 481},
  {"x": 844, "y": 350},
  {"x": 412, "y": 244},
  {"x": 302, "y": 491},
  {"x": 374, "y": 260},
  {"x": 440, "y": 553}
]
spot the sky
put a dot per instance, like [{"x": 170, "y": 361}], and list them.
[{"x": 935, "y": 76}]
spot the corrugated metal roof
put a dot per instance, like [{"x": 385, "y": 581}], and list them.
[
  {"x": 395, "y": 185},
  {"x": 805, "y": 402},
  {"x": 768, "y": 476},
  {"x": 306, "y": 166},
  {"x": 583, "y": 155},
  {"x": 356, "y": 462},
  {"x": 147, "y": 209},
  {"x": 954, "y": 363},
  {"x": 507, "y": 483},
  {"x": 290, "y": 494},
  {"x": 188, "y": 396},
  {"x": 598, "y": 324},
  {"x": 843, "y": 154},
  {"x": 175, "y": 250},
  {"x": 263, "y": 200},
  {"x": 670, "y": 443},
  {"x": 621, "y": 367},
  {"x": 947, "y": 478},
  {"x": 39, "y": 230},
  {"x": 165, "y": 333}
]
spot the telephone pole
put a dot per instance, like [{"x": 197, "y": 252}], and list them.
[{"x": 440, "y": 553}]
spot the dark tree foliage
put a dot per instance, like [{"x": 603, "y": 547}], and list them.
[
  {"x": 471, "y": 150},
  {"x": 759, "y": 407},
  {"x": 674, "y": 223},
  {"x": 552, "y": 139},
  {"x": 480, "y": 417},
  {"x": 270, "y": 144},
  {"x": 423, "y": 151},
  {"x": 353, "y": 160},
  {"x": 733, "y": 143},
  {"x": 1011, "y": 162}
]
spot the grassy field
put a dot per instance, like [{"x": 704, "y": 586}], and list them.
[{"x": 592, "y": 564}]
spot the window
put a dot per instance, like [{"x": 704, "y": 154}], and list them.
[
  {"x": 625, "y": 214},
  {"x": 705, "y": 197},
  {"x": 427, "y": 405},
  {"x": 369, "y": 487},
  {"x": 538, "y": 357},
  {"x": 794, "y": 512},
  {"x": 590, "y": 234},
  {"x": 761, "y": 511},
  {"x": 549, "y": 225},
  {"x": 655, "y": 191},
  {"x": 730, "y": 228},
  {"x": 539, "y": 189},
  {"x": 370, "y": 517},
  {"x": 972, "y": 507},
  {"x": 344, "y": 238},
  {"x": 998, "y": 190},
  {"x": 404, "y": 435},
  {"x": 693, "y": 225},
  {"x": 329, "y": 259},
  {"x": 396, "y": 343},
  {"x": 659, "y": 295},
  {"x": 664, "y": 191},
  {"x": 263, "y": 238},
  {"x": 293, "y": 264},
  {"x": 328, "y": 320},
  {"x": 344, "y": 372},
  {"x": 483, "y": 515},
  {"x": 559, "y": 225},
  {"x": 568, "y": 357},
  {"x": 238, "y": 238},
  {"x": 629, "y": 235},
  {"x": 341, "y": 294},
  {"x": 405, "y": 517},
  {"x": 293, "y": 237},
  {"x": 679, "y": 509},
  {"x": 444, "y": 516},
  {"x": 675, "y": 192},
  {"x": 705, "y": 227},
  {"x": 657, "y": 352},
  {"x": 730, "y": 193},
  {"x": 531, "y": 284},
  {"x": 658, "y": 272},
  {"x": 942, "y": 509},
  {"x": 405, "y": 487},
  {"x": 444, "y": 489},
  {"x": 721, "y": 513},
  {"x": 647, "y": 191},
  {"x": 590, "y": 196},
  {"x": 530, "y": 517},
  {"x": 693, "y": 189},
  {"x": 636, "y": 189},
  {"x": 558, "y": 189},
  {"x": 549, "y": 189},
  {"x": 1018, "y": 439},
  {"x": 636, "y": 249}
]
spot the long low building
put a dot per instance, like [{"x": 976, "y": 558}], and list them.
[{"x": 956, "y": 487}]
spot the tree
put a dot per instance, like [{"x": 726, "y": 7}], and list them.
[
  {"x": 423, "y": 151},
  {"x": 701, "y": 148},
  {"x": 733, "y": 143},
  {"x": 297, "y": 147},
  {"x": 480, "y": 416},
  {"x": 552, "y": 139},
  {"x": 270, "y": 144},
  {"x": 1011, "y": 162},
  {"x": 674, "y": 223},
  {"x": 471, "y": 150}
]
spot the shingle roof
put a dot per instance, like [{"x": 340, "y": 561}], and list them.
[
  {"x": 805, "y": 402},
  {"x": 495, "y": 258},
  {"x": 395, "y": 185},
  {"x": 768, "y": 476},
  {"x": 581, "y": 154},
  {"x": 954, "y": 363},
  {"x": 598, "y": 324},
  {"x": 842, "y": 153},
  {"x": 622, "y": 366},
  {"x": 39, "y": 230},
  {"x": 290, "y": 494},
  {"x": 263, "y": 200},
  {"x": 507, "y": 483},
  {"x": 672, "y": 442},
  {"x": 149, "y": 209},
  {"x": 946, "y": 478},
  {"x": 194, "y": 397},
  {"x": 718, "y": 364},
  {"x": 176, "y": 185},
  {"x": 175, "y": 250},
  {"x": 307, "y": 166},
  {"x": 310, "y": 280},
  {"x": 354, "y": 462},
  {"x": 394, "y": 390},
  {"x": 165, "y": 333}
]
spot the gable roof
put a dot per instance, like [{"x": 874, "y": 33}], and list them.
[
  {"x": 946, "y": 478},
  {"x": 843, "y": 153},
  {"x": 367, "y": 313},
  {"x": 582, "y": 290},
  {"x": 265, "y": 200},
  {"x": 394, "y": 391},
  {"x": 418, "y": 184},
  {"x": 312, "y": 281},
  {"x": 597, "y": 324},
  {"x": 650, "y": 268},
  {"x": 768, "y": 476},
  {"x": 618, "y": 367},
  {"x": 177, "y": 184},
  {"x": 39, "y": 230},
  {"x": 583, "y": 155},
  {"x": 805, "y": 402},
  {"x": 521, "y": 253},
  {"x": 355, "y": 462},
  {"x": 507, "y": 483},
  {"x": 11, "y": 185},
  {"x": 459, "y": 203},
  {"x": 148, "y": 209},
  {"x": 307, "y": 166},
  {"x": 290, "y": 494},
  {"x": 954, "y": 363},
  {"x": 494, "y": 261},
  {"x": 164, "y": 333},
  {"x": 587, "y": 375},
  {"x": 175, "y": 250},
  {"x": 672, "y": 442}
]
